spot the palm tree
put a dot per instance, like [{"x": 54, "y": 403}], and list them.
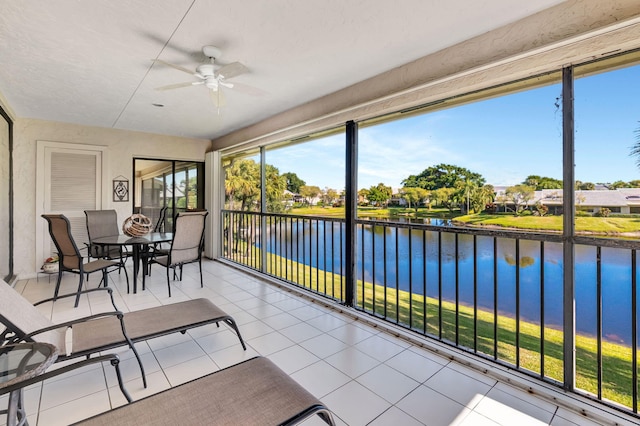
[
  {"x": 276, "y": 185},
  {"x": 635, "y": 150},
  {"x": 242, "y": 182},
  {"x": 481, "y": 197}
]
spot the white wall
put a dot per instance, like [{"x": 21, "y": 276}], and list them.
[{"x": 122, "y": 147}]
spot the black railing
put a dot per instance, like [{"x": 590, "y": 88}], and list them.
[
  {"x": 497, "y": 294},
  {"x": 302, "y": 250}
]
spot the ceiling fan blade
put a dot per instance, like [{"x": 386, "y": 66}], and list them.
[
  {"x": 231, "y": 70},
  {"x": 180, "y": 85},
  {"x": 178, "y": 67},
  {"x": 249, "y": 90},
  {"x": 218, "y": 98}
]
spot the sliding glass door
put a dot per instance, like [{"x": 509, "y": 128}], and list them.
[{"x": 167, "y": 184}]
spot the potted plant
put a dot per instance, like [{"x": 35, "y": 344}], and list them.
[{"x": 50, "y": 265}]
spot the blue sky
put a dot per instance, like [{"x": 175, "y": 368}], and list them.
[{"x": 505, "y": 139}]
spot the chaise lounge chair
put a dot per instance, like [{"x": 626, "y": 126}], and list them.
[
  {"x": 252, "y": 393},
  {"x": 103, "y": 331}
]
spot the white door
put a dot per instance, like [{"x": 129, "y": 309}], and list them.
[{"x": 70, "y": 180}]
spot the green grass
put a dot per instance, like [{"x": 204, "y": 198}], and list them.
[
  {"x": 617, "y": 370},
  {"x": 409, "y": 312},
  {"x": 597, "y": 225}
]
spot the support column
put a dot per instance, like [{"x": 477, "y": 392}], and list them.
[
  {"x": 351, "y": 205},
  {"x": 568, "y": 229},
  {"x": 263, "y": 210}
]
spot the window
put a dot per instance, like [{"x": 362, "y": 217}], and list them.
[
  {"x": 500, "y": 154},
  {"x": 176, "y": 185},
  {"x": 307, "y": 177}
]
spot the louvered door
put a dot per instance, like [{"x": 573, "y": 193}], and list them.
[{"x": 71, "y": 183}]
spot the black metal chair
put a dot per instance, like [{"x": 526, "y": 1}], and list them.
[
  {"x": 70, "y": 259},
  {"x": 159, "y": 227},
  {"x": 104, "y": 223},
  {"x": 187, "y": 244}
]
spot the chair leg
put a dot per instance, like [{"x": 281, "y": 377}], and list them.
[
  {"x": 55, "y": 292},
  {"x": 105, "y": 278},
  {"x": 135, "y": 352},
  {"x": 231, "y": 323},
  {"x": 326, "y": 417},
  {"x": 116, "y": 365},
  {"x": 144, "y": 282},
  {"x": 133, "y": 348},
  {"x": 200, "y": 264},
  {"x": 79, "y": 289},
  {"x": 126, "y": 275},
  {"x": 168, "y": 282},
  {"x": 175, "y": 272},
  {"x": 146, "y": 270}
]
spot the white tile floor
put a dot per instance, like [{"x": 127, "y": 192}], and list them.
[{"x": 365, "y": 375}]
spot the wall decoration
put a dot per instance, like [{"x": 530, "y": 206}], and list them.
[{"x": 120, "y": 189}]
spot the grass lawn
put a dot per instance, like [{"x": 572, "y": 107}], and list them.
[{"x": 599, "y": 225}]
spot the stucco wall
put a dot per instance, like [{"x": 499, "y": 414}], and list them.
[{"x": 122, "y": 145}]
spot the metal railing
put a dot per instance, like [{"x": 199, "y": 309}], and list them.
[
  {"x": 497, "y": 294},
  {"x": 302, "y": 250}
]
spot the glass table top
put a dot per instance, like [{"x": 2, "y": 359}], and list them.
[{"x": 24, "y": 360}]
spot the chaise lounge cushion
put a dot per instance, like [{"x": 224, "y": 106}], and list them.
[
  {"x": 254, "y": 392},
  {"x": 145, "y": 324}
]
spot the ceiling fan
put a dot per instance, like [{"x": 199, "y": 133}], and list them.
[{"x": 213, "y": 76}]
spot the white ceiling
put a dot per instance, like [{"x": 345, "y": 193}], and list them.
[{"x": 90, "y": 62}]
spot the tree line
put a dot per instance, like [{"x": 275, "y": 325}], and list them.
[{"x": 442, "y": 185}]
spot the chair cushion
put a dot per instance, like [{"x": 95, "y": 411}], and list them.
[
  {"x": 96, "y": 265},
  {"x": 25, "y": 318},
  {"x": 253, "y": 393},
  {"x": 144, "y": 324}
]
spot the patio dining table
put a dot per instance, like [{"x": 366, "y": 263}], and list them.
[{"x": 140, "y": 245}]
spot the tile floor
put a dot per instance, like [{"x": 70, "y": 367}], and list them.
[{"x": 364, "y": 374}]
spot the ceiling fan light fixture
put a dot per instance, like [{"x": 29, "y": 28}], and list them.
[
  {"x": 211, "y": 83},
  {"x": 206, "y": 70}
]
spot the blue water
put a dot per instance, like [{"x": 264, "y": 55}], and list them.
[{"x": 409, "y": 261}]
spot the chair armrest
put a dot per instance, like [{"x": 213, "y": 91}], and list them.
[
  {"x": 118, "y": 314},
  {"x": 107, "y": 289},
  {"x": 112, "y": 358}
]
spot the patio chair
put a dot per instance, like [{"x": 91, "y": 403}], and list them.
[
  {"x": 186, "y": 246},
  {"x": 104, "y": 223},
  {"x": 162, "y": 216},
  {"x": 23, "y": 322},
  {"x": 70, "y": 259},
  {"x": 107, "y": 330},
  {"x": 252, "y": 393},
  {"x": 157, "y": 249}
]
